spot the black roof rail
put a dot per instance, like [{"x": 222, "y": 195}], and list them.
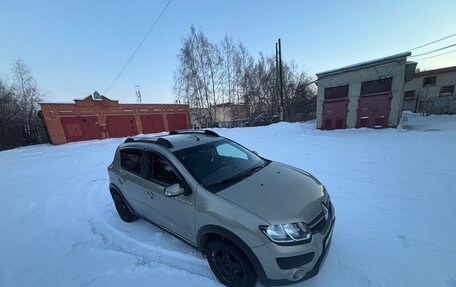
[
  {"x": 164, "y": 142},
  {"x": 157, "y": 140},
  {"x": 206, "y": 132}
]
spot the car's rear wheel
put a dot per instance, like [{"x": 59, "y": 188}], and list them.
[
  {"x": 229, "y": 264},
  {"x": 122, "y": 208}
]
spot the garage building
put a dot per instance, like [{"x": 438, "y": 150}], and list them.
[
  {"x": 367, "y": 94},
  {"x": 100, "y": 117}
]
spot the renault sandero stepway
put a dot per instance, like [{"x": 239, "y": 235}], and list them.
[{"x": 252, "y": 218}]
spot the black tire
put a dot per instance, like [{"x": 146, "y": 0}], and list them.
[
  {"x": 122, "y": 208},
  {"x": 230, "y": 265}
]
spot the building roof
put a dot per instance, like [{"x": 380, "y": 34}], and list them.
[
  {"x": 436, "y": 71},
  {"x": 363, "y": 65},
  {"x": 103, "y": 99},
  {"x": 88, "y": 98}
]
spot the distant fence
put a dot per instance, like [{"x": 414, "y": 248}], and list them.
[{"x": 441, "y": 105}]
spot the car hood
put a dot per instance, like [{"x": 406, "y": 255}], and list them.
[{"x": 279, "y": 194}]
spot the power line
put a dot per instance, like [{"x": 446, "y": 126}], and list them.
[
  {"x": 435, "y": 50},
  {"x": 441, "y": 39},
  {"x": 298, "y": 79},
  {"x": 138, "y": 47},
  {"x": 441, "y": 54}
]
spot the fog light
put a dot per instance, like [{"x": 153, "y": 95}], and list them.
[{"x": 299, "y": 274}]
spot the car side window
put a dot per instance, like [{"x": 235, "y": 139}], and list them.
[
  {"x": 161, "y": 170},
  {"x": 130, "y": 160}
]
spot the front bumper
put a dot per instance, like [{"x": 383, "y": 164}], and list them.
[{"x": 282, "y": 264}]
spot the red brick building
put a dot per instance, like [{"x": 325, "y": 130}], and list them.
[{"x": 101, "y": 118}]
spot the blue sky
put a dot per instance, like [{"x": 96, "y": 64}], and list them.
[{"x": 76, "y": 47}]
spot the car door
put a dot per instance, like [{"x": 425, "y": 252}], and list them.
[
  {"x": 131, "y": 179},
  {"x": 175, "y": 214}
]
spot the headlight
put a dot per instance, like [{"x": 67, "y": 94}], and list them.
[{"x": 287, "y": 233}]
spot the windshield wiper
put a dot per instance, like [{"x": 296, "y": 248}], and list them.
[
  {"x": 253, "y": 169},
  {"x": 241, "y": 176}
]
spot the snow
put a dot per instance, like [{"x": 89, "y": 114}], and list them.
[{"x": 393, "y": 190}]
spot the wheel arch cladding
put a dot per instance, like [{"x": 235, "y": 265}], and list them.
[
  {"x": 114, "y": 188},
  {"x": 208, "y": 232}
]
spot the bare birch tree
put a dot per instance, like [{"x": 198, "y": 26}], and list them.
[
  {"x": 29, "y": 95},
  {"x": 208, "y": 75},
  {"x": 19, "y": 122}
]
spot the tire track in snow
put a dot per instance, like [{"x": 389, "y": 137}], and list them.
[{"x": 99, "y": 206}]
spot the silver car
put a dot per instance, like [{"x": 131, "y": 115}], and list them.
[{"x": 251, "y": 217}]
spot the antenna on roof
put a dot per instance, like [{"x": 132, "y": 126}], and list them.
[{"x": 138, "y": 94}]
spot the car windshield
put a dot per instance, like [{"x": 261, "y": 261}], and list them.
[{"x": 219, "y": 164}]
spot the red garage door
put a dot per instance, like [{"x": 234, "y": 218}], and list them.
[
  {"x": 335, "y": 114},
  {"x": 177, "y": 122},
  {"x": 80, "y": 128},
  {"x": 121, "y": 126},
  {"x": 374, "y": 104},
  {"x": 152, "y": 123},
  {"x": 335, "y": 108},
  {"x": 373, "y": 111}
]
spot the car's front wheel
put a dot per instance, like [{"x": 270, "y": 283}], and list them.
[
  {"x": 229, "y": 264},
  {"x": 122, "y": 208}
]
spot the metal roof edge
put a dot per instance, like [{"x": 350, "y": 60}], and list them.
[
  {"x": 55, "y": 103},
  {"x": 362, "y": 64}
]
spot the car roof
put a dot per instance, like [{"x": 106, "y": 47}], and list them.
[{"x": 177, "y": 140}]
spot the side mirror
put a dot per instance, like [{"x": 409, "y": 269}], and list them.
[{"x": 174, "y": 190}]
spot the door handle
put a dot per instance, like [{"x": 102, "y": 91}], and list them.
[{"x": 150, "y": 194}]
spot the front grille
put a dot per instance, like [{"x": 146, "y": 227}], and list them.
[{"x": 319, "y": 223}]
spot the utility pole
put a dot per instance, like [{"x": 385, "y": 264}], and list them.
[
  {"x": 138, "y": 94},
  {"x": 279, "y": 69},
  {"x": 277, "y": 94}
]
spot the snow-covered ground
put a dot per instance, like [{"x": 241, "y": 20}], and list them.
[{"x": 394, "y": 191}]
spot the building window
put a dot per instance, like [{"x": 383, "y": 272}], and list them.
[
  {"x": 429, "y": 81},
  {"x": 339, "y": 92},
  {"x": 376, "y": 86},
  {"x": 409, "y": 95},
  {"x": 446, "y": 91}
]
